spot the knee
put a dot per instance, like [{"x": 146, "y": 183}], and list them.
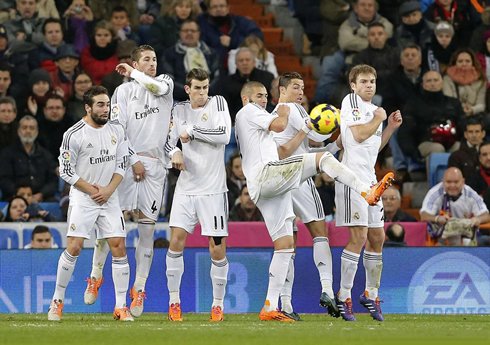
[
  {"x": 74, "y": 248},
  {"x": 218, "y": 252},
  {"x": 177, "y": 244},
  {"x": 358, "y": 238}
]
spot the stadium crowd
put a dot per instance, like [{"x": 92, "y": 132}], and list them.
[{"x": 432, "y": 60}]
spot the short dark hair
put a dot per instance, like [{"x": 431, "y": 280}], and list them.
[
  {"x": 136, "y": 53},
  {"x": 51, "y": 21},
  {"x": 119, "y": 9},
  {"x": 287, "y": 77},
  {"x": 375, "y": 24},
  {"x": 6, "y": 67},
  {"x": 22, "y": 184},
  {"x": 54, "y": 96},
  {"x": 9, "y": 100},
  {"x": 40, "y": 229},
  {"x": 473, "y": 120},
  {"x": 485, "y": 143},
  {"x": 411, "y": 45},
  {"x": 395, "y": 237},
  {"x": 196, "y": 74},
  {"x": 187, "y": 21},
  {"x": 8, "y": 218},
  {"x": 243, "y": 187},
  {"x": 88, "y": 96}
]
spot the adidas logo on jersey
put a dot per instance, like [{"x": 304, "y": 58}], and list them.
[
  {"x": 184, "y": 123},
  {"x": 134, "y": 98},
  {"x": 90, "y": 146}
]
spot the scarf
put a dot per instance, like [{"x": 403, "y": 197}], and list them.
[
  {"x": 486, "y": 174},
  {"x": 194, "y": 57},
  {"x": 122, "y": 34},
  {"x": 103, "y": 53},
  {"x": 463, "y": 75}
]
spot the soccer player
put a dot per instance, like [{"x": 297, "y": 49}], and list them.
[
  {"x": 93, "y": 158},
  {"x": 362, "y": 138},
  {"x": 270, "y": 181},
  {"x": 143, "y": 107},
  {"x": 203, "y": 125},
  {"x": 307, "y": 205}
]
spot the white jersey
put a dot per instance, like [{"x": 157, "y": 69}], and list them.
[
  {"x": 359, "y": 157},
  {"x": 255, "y": 142},
  {"x": 210, "y": 128},
  {"x": 143, "y": 107},
  {"x": 468, "y": 205},
  {"x": 297, "y": 118},
  {"x": 94, "y": 155}
]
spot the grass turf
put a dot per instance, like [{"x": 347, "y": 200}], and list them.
[{"x": 240, "y": 329}]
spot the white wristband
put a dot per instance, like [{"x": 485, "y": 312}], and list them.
[
  {"x": 305, "y": 129},
  {"x": 435, "y": 221}
]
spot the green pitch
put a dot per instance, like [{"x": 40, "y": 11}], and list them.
[{"x": 240, "y": 329}]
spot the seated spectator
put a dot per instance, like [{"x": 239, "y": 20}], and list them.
[
  {"x": 352, "y": 39},
  {"x": 164, "y": 32},
  {"x": 27, "y": 25},
  {"x": 3, "y": 41},
  {"x": 395, "y": 236},
  {"x": 75, "y": 107},
  {"x": 422, "y": 112},
  {"x": 483, "y": 55},
  {"x": 391, "y": 203},
  {"x": 8, "y": 125},
  {"x": 45, "y": 53},
  {"x": 66, "y": 62},
  {"x": 466, "y": 158},
  {"x": 161, "y": 243},
  {"x": 378, "y": 54},
  {"x": 5, "y": 78},
  {"x": 308, "y": 14},
  {"x": 26, "y": 160},
  {"x": 189, "y": 52},
  {"x": 114, "y": 79},
  {"x": 274, "y": 93},
  {"x": 480, "y": 179},
  {"x": 466, "y": 81},
  {"x": 452, "y": 11},
  {"x": 16, "y": 210},
  {"x": 245, "y": 210},
  {"x": 102, "y": 10},
  {"x": 334, "y": 13},
  {"x": 99, "y": 58},
  {"x": 437, "y": 55},
  {"x": 120, "y": 22},
  {"x": 39, "y": 84},
  {"x": 235, "y": 179},
  {"x": 35, "y": 211},
  {"x": 246, "y": 71},
  {"x": 453, "y": 199},
  {"x": 477, "y": 43},
  {"x": 413, "y": 28},
  {"x": 264, "y": 59},
  {"x": 79, "y": 21},
  {"x": 223, "y": 31},
  {"x": 41, "y": 238},
  {"x": 53, "y": 125}
]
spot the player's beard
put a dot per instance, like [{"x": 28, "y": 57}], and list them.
[{"x": 98, "y": 120}]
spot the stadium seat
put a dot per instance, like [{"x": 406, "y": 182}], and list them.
[
  {"x": 310, "y": 86},
  {"x": 251, "y": 10},
  {"x": 9, "y": 239},
  {"x": 265, "y": 21},
  {"x": 52, "y": 207},
  {"x": 281, "y": 48},
  {"x": 437, "y": 167},
  {"x": 287, "y": 62},
  {"x": 232, "y": 136},
  {"x": 272, "y": 35},
  {"x": 241, "y": 2},
  {"x": 3, "y": 207}
]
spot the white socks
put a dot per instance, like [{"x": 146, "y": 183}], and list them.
[
  {"x": 175, "y": 269},
  {"x": 323, "y": 262},
  {"x": 66, "y": 266},
  {"x": 219, "y": 278},
  {"x": 348, "y": 272},
  {"x": 120, "y": 277},
  {"x": 373, "y": 263},
  {"x": 287, "y": 290},
  {"x": 144, "y": 252},
  {"x": 338, "y": 171},
  {"x": 101, "y": 250},
  {"x": 278, "y": 271}
]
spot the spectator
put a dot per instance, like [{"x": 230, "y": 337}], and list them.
[
  {"x": 16, "y": 210},
  {"x": 67, "y": 63},
  {"x": 161, "y": 243},
  {"x": 466, "y": 158},
  {"x": 264, "y": 59},
  {"x": 235, "y": 179},
  {"x": 27, "y": 25},
  {"x": 35, "y": 211},
  {"x": 413, "y": 28},
  {"x": 334, "y": 13},
  {"x": 26, "y": 160},
  {"x": 477, "y": 43},
  {"x": 432, "y": 107},
  {"x": 41, "y": 238},
  {"x": 437, "y": 55},
  {"x": 245, "y": 210},
  {"x": 99, "y": 58},
  {"x": 40, "y": 88},
  {"x": 454, "y": 12},
  {"x": 120, "y": 22},
  {"x": 45, "y": 54},
  {"x": 223, "y": 31},
  {"x": 53, "y": 125},
  {"x": 3, "y": 41},
  {"x": 114, "y": 79},
  {"x": 75, "y": 106},
  {"x": 274, "y": 93},
  {"x": 480, "y": 179},
  {"x": 189, "y": 52},
  {"x": 451, "y": 200},
  {"x": 5, "y": 78},
  {"x": 483, "y": 55},
  {"x": 391, "y": 203},
  {"x": 395, "y": 236},
  {"x": 352, "y": 39},
  {"x": 8, "y": 125},
  {"x": 246, "y": 71},
  {"x": 102, "y": 10},
  {"x": 79, "y": 21},
  {"x": 466, "y": 81},
  {"x": 164, "y": 32}
]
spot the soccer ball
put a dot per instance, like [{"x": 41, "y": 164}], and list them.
[{"x": 325, "y": 118}]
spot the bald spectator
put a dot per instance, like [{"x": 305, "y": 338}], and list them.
[
  {"x": 8, "y": 125},
  {"x": 454, "y": 210},
  {"x": 391, "y": 203},
  {"x": 395, "y": 236}
]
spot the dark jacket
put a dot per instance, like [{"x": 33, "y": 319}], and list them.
[
  {"x": 240, "y": 28},
  {"x": 111, "y": 82},
  {"x": 459, "y": 20},
  {"x": 8, "y": 134},
  {"x": 333, "y": 16},
  {"x": 172, "y": 64},
  {"x": 465, "y": 159},
  {"x": 43, "y": 57},
  {"x": 401, "y": 216},
  {"x": 477, "y": 181},
  {"x": 435, "y": 57},
  {"x": 420, "y": 33},
  {"x": 51, "y": 134},
  {"x": 399, "y": 90},
  {"x": 237, "y": 214},
  {"x": 164, "y": 33},
  {"x": 38, "y": 169}
]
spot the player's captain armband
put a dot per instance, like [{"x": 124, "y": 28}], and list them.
[{"x": 115, "y": 112}]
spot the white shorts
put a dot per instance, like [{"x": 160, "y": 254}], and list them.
[
  {"x": 307, "y": 204},
  {"x": 353, "y": 209},
  {"x": 146, "y": 195},
  {"x": 211, "y": 211},
  {"x": 109, "y": 221},
  {"x": 278, "y": 215}
]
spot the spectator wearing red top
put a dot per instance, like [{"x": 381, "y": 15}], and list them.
[
  {"x": 66, "y": 62},
  {"x": 452, "y": 12},
  {"x": 99, "y": 58}
]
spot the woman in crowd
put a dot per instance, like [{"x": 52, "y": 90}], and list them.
[
  {"x": 16, "y": 211},
  {"x": 39, "y": 84},
  {"x": 81, "y": 83}
]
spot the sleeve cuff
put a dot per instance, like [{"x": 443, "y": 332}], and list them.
[
  {"x": 190, "y": 131},
  {"x": 133, "y": 159},
  {"x": 73, "y": 179},
  {"x": 120, "y": 171},
  {"x": 171, "y": 153}
]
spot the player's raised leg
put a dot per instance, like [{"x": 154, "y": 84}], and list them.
[
  {"x": 175, "y": 270},
  {"x": 120, "y": 277},
  {"x": 219, "y": 275}
]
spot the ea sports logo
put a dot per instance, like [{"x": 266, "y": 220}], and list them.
[{"x": 450, "y": 283}]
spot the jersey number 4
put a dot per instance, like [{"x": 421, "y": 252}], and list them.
[{"x": 154, "y": 206}]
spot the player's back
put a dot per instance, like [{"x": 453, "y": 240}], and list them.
[{"x": 360, "y": 157}]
